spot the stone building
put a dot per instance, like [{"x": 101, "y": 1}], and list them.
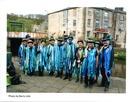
[{"x": 88, "y": 22}]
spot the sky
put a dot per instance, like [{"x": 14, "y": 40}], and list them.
[{"x": 47, "y": 6}]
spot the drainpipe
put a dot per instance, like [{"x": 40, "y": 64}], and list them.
[
  {"x": 67, "y": 22},
  {"x": 84, "y": 22}
]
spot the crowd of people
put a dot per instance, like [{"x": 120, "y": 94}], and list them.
[{"x": 86, "y": 63}]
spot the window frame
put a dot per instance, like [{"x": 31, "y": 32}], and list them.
[
  {"x": 96, "y": 23},
  {"x": 89, "y": 22},
  {"x": 74, "y": 34},
  {"x": 74, "y": 23},
  {"x": 89, "y": 10}
]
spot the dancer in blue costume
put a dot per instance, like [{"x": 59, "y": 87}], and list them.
[
  {"x": 91, "y": 63},
  {"x": 78, "y": 70},
  {"x": 71, "y": 56},
  {"x": 27, "y": 37},
  {"x": 98, "y": 46},
  {"x": 106, "y": 61},
  {"x": 21, "y": 53},
  {"x": 65, "y": 58},
  {"x": 42, "y": 58},
  {"x": 30, "y": 59},
  {"x": 60, "y": 58},
  {"x": 52, "y": 56}
]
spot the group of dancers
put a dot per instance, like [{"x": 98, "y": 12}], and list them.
[{"x": 83, "y": 62}]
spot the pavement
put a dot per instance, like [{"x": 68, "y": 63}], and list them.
[{"x": 51, "y": 84}]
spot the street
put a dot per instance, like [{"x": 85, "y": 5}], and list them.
[{"x": 51, "y": 84}]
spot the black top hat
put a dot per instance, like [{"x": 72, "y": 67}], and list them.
[
  {"x": 97, "y": 42},
  {"x": 90, "y": 41},
  {"x": 24, "y": 40},
  {"x": 52, "y": 38},
  {"x": 30, "y": 41},
  {"x": 105, "y": 39},
  {"x": 59, "y": 39},
  {"x": 70, "y": 36},
  {"x": 65, "y": 36},
  {"x": 80, "y": 41},
  {"x": 43, "y": 40}
]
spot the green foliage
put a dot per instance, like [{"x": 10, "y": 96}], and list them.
[
  {"x": 27, "y": 24},
  {"x": 122, "y": 56},
  {"x": 47, "y": 42}
]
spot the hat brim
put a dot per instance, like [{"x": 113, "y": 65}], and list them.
[
  {"x": 70, "y": 37},
  {"x": 43, "y": 41},
  {"x": 80, "y": 41},
  {"x": 30, "y": 42},
  {"x": 97, "y": 43},
  {"x": 52, "y": 39}
]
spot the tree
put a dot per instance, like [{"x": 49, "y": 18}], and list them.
[{"x": 27, "y": 24}]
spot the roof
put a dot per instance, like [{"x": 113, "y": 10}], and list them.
[
  {"x": 18, "y": 22},
  {"x": 108, "y": 9},
  {"x": 101, "y": 8},
  {"x": 63, "y": 10}
]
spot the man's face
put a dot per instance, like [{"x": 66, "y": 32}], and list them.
[
  {"x": 52, "y": 42},
  {"x": 30, "y": 44},
  {"x": 90, "y": 45},
  {"x": 24, "y": 43},
  {"x": 43, "y": 43},
  {"x": 96, "y": 45},
  {"x": 28, "y": 38},
  {"x": 70, "y": 40},
  {"x": 59, "y": 42},
  {"x": 80, "y": 44},
  {"x": 106, "y": 43}
]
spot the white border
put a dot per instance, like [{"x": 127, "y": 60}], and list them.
[{"x": 77, "y": 97}]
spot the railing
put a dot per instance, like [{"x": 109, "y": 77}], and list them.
[{"x": 23, "y": 34}]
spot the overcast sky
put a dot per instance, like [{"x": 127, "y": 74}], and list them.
[{"x": 47, "y": 6}]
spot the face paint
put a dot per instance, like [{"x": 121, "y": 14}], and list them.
[
  {"x": 106, "y": 43},
  {"x": 70, "y": 40},
  {"x": 96, "y": 45}
]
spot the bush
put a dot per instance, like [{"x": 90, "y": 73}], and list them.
[{"x": 122, "y": 56}]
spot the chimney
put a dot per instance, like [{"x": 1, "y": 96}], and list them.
[{"x": 119, "y": 8}]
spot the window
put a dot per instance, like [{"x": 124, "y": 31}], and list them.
[
  {"x": 89, "y": 11},
  {"x": 105, "y": 24},
  {"x": 64, "y": 14},
  {"x": 89, "y": 22},
  {"x": 64, "y": 23},
  {"x": 74, "y": 12},
  {"x": 88, "y": 34},
  {"x": 117, "y": 37},
  {"x": 120, "y": 26},
  {"x": 121, "y": 17},
  {"x": 97, "y": 13},
  {"x": 74, "y": 33},
  {"x": 63, "y": 32},
  {"x": 105, "y": 14},
  {"x": 74, "y": 22},
  {"x": 97, "y": 23}
]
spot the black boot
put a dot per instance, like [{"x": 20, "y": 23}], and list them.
[
  {"x": 86, "y": 86},
  {"x": 77, "y": 80},
  {"x": 70, "y": 77},
  {"x": 61, "y": 73},
  {"x": 81, "y": 80},
  {"x": 66, "y": 76},
  {"x": 106, "y": 88},
  {"x": 58, "y": 74}
]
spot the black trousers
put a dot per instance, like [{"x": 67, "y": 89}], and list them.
[
  {"x": 97, "y": 74},
  {"x": 41, "y": 72},
  {"x": 91, "y": 81},
  {"x": 104, "y": 77}
]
